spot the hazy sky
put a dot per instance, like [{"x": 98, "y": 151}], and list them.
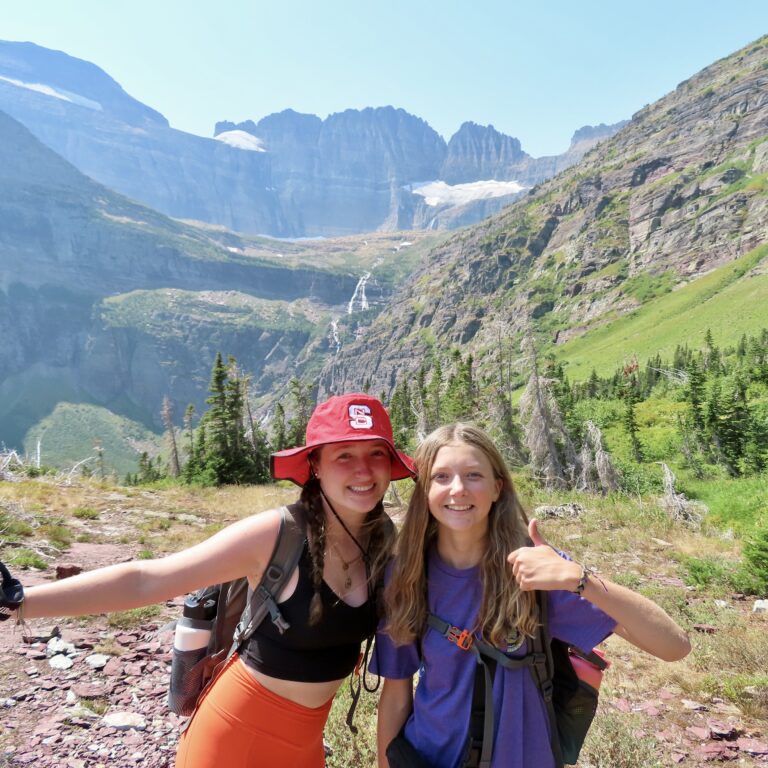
[{"x": 535, "y": 70}]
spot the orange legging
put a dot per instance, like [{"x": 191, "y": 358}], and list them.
[{"x": 240, "y": 724}]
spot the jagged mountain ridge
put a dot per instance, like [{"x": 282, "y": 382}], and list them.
[
  {"x": 679, "y": 191},
  {"x": 353, "y": 172},
  {"x": 392, "y": 154}
]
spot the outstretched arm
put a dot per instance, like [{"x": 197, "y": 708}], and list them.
[
  {"x": 639, "y": 620},
  {"x": 395, "y": 704},
  {"x": 241, "y": 549}
]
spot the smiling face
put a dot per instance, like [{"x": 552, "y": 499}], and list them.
[
  {"x": 354, "y": 476},
  {"x": 462, "y": 488}
]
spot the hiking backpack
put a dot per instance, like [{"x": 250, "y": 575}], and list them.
[{"x": 237, "y": 612}]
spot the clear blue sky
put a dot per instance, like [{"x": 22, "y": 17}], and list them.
[{"x": 535, "y": 70}]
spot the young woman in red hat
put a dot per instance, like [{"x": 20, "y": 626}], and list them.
[{"x": 269, "y": 705}]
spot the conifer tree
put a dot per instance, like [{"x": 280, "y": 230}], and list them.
[
  {"x": 733, "y": 428},
  {"x": 433, "y": 397},
  {"x": 402, "y": 414},
  {"x": 631, "y": 398},
  {"x": 694, "y": 393},
  {"x": 279, "y": 435},
  {"x": 460, "y": 401},
  {"x": 593, "y": 385},
  {"x": 300, "y": 408},
  {"x": 712, "y": 356},
  {"x": 167, "y": 416},
  {"x": 191, "y": 466}
]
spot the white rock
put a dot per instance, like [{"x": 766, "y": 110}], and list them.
[
  {"x": 722, "y": 604},
  {"x": 97, "y": 660},
  {"x": 60, "y": 662},
  {"x": 760, "y": 606},
  {"x": 71, "y": 698},
  {"x": 124, "y": 720},
  {"x": 8, "y": 703},
  {"x": 57, "y": 645}
]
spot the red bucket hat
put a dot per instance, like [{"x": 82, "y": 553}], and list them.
[{"x": 341, "y": 419}]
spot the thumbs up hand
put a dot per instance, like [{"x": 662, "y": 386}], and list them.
[
  {"x": 539, "y": 566},
  {"x": 11, "y": 593}
]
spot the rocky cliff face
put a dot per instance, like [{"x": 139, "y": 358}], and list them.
[
  {"x": 287, "y": 175},
  {"x": 682, "y": 189},
  {"x": 481, "y": 152}
]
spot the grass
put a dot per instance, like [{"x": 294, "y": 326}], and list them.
[
  {"x": 133, "y": 618},
  {"x": 616, "y": 741},
  {"x": 740, "y": 503},
  {"x": 349, "y": 749},
  {"x": 728, "y": 300}
]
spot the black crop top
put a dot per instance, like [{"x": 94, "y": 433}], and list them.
[{"x": 327, "y": 651}]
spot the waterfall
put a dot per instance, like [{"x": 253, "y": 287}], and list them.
[
  {"x": 335, "y": 334},
  {"x": 359, "y": 295}
]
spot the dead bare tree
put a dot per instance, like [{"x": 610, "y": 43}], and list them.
[
  {"x": 167, "y": 416},
  {"x": 677, "y": 505},
  {"x": 553, "y": 457},
  {"x": 597, "y": 470},
  {"x": 419, "y": 410},
  {"x": 10, "y": 466}
]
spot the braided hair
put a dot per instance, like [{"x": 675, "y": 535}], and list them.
[{"x": 381, "y": 535}]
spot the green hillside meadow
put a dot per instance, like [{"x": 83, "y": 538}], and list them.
[
  {"x": 730, "y": 301},
  {"x": 70, "y": 426}
]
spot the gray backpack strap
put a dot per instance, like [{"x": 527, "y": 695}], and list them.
[{"x": 291, "y": 539}]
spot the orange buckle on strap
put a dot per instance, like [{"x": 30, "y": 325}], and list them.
[{"x": 462, "y": 637}]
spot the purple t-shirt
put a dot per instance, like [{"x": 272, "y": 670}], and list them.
[{"x": 439, "y": 723}]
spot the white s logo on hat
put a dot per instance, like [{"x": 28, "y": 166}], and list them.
[{"x": 359, "y": 417}]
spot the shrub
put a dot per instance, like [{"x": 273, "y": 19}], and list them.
[
  {"x": 706, "y": 571},
  {"x": 26, "y": 558},
  {"x": 751, "y": 578},
  {"x": 86, "y": 513}
]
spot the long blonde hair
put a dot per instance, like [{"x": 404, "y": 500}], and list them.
[{"x": 505, "y": 609}]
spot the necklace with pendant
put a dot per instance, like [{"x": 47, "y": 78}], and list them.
[{"x": 345, "y": 565}]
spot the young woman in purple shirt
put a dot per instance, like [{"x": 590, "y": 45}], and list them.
[{"x": 465, "y": 555}]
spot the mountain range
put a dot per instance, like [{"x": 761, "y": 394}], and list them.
[{"x": 290, "y": 174}]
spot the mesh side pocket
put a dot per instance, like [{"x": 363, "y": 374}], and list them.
[
  {"x": 186, "y": 680},
  {"x": 574, "y": 719}
]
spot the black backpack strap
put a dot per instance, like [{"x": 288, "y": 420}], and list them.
[
  {"x": 285, "y": 557},
  {"x": 543, "y": 671},
  {"x": 488, "y": 657}
]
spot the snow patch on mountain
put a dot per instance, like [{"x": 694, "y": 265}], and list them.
[
  {"x": 439, "y": 193},
  {"x": 241, "y": 140},
  {"x": 56, "y": 93}
]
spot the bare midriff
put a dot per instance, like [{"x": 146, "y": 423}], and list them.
[{"x": 310, "y": 695}]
